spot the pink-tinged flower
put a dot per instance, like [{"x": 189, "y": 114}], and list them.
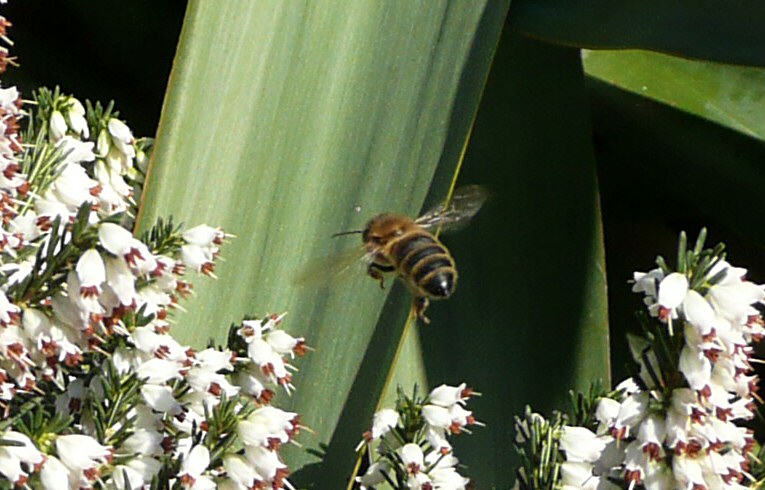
[
  {"x": 651, "y": 436},
  {"x": 252, "y": 382},
  {"x": 193, "y": 466},
  {"x": 250, "y": 330},
  {"x": 621, "y": 418},
  {"x": 158, "y": 345},
  {"x": 194, "y": 257},
  {"x": 204, "y": 236},
  {"x": 284, "y": 343},
  {"x": 446, "y": 396},
  {"x": 206, "y": 380},
  {"x": 91, "y": 273},
  {"x": 412, "y": 458},
  {"x": 672, "y": 292},
  {"x": 581, "y": 444}
]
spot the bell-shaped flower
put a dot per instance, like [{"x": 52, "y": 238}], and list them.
[
  {"x": 80, "y": 452},
  {"x": 446, "y": 396},
  {"x": 672, "y": 292},
  {"x": 581, "y": 444}
]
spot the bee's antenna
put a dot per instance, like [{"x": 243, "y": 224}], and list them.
[{"x": 352, "y": 232}]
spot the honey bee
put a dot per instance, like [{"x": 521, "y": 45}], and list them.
[{"x": 408, "y": 247}]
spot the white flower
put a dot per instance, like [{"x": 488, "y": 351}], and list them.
[
  {"x": 13, "y": 457},
  {"x": 374, "y": 475},
  {"x": 76, "y": 118},
  {"x": 55, "y": 476},
  {"x": 241, "y": 471},
  {"x": 383, "y": 421},
  {"x": 79, "y": 452},
  {"x": 193, "y": 466},
  {"x": 437, "y": 417},
  {"x": 114, "y": 238},
  {"x": 91, "y": 273},
  {"x": 8, "y": 311},
  {"x": 159, "y": 371},
  {"x": 266, "y": 463},
  {"x": 412, "y": 458},
  {"x": 160, "y": 398},
  {"x": 57, "y": 126},
  {"x": 136, "y": 473},
  {"x": 672, "y": 291},
  {"x": 203, "y": 236},
  {"x": 446, "y": 396},
  {"x": 646, "y": 282},
  {"x": 581, "y": 444},
  {"x": 283, "y": 343},
  {"x": 145, "y": 442},
  {"x": 699, "y": 312}
]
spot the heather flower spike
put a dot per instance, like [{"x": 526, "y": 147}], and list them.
[
  {"x": 678, "y": 423},
  {"x": 408, "y": 445},
  {"x": 86, "y": 319}
]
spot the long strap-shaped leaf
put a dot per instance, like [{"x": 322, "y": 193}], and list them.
[{"x": 286, "y": 122}]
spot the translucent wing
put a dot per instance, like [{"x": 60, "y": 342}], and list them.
[
  {"x": 346, "y": 264},
  {"x": 464, "y": 204}
]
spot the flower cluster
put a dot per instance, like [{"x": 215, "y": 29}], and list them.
[
  {"x": 676, "y": 424},
  {"x": 94, "y": 391},
  {"x": 412, "y": 449}
]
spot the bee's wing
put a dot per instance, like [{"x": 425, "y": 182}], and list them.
[
  {"x": 345, "y": 263},
  {"x": 465, "y": 203}
]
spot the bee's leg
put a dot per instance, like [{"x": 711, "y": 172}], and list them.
[
  {"x": 375, "y": 271},
  {"x": 420, "y": 305}
]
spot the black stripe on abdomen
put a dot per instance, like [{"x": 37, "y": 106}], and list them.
[{"x": 436, "y": 275}]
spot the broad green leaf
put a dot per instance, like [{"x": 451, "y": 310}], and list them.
[
  {"x": 297, "y": 121},
  {"x": 729, "y": 95},
  {"x": 706, "y": 29},
  {"x": 661, "y": 164},
  {"x": 529, "y": 319}
]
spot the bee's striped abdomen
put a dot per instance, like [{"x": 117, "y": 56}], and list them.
[{"x": 426, "y": 264}]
